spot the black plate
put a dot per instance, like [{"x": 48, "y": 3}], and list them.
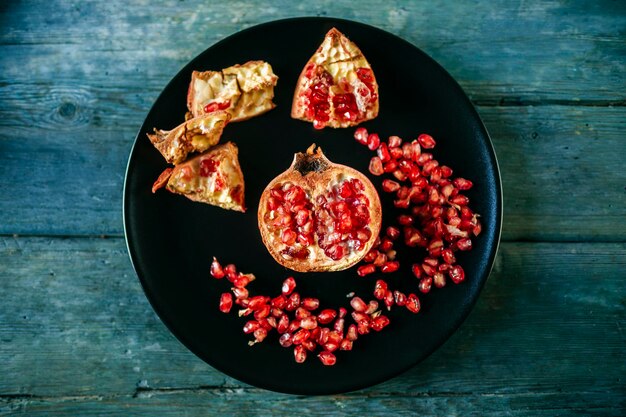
[{"x": 171, "y": 240}]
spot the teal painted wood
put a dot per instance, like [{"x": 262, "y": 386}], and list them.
[{"x": 79, "y": 335}]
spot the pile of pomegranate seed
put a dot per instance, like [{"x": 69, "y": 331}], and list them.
[
  {"x": 437, "y": 218},
  {"x": 299, "y": 321}
]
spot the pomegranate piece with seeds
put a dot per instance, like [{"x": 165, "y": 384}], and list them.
[
  {"x": 337, "y": 87},
  {"x": 319, "y": 216}
]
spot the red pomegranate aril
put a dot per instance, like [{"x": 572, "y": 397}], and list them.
[
  {"x": 396, "y": 153},
  {"x": 262, "y": 312},
  {"x": 373, "y": 141},
  {"x": 464, "y": 244},
  {"x": 342, "y": 312},
  {"x": 405, "y": 220},
  {"x": 439, "y": 280},
  {"x": 257, "y": 302},
  {"x": 308, "y": 323},
  {"x": 428, "y": 269},
  {"x": 259, "y": 335},
  {"x": 310, "y": 303},
  {"x": 399, "y": 175},
  {"x": 380, "y": 288},
  {"x": 346, "y": 344},
  {"x": 300, "y": 336},
  {"x": 456, "y": 274},
  {"x": 364, "y": 270},
  {"x": 402, "y": 203},
  {"x": 231, "y": 272},
  {"x": 372, "y": 306},
  {"x": 251, "y": 326},
  {"x": 285, "y": 340},
  {"x": 423, "y": 158},
  {"x": 288, "y": 286},
  {"x": 390, "y": 166},
  {"x": 322, "y": 338},
  {"x": 390, "y": 186},
  {"x": 477, "y": 228},
  {"x": 435, "y": 247},
  {"x": 425, "y": 284},
  {"x": 413, "y": 303},
  {"x": 459, "y": 200},
  {"x": 389, "y": 299},
  {"x": 399, "y": 298},
  {"x": 361, "y": 135},
  {"x": 383, "y": 152},
  {"x": 426, "y": 141},
  {"x": 358, "y": 304},
  {"x": 394, "y": 141},
  {"x": 448, "y": 256},
  {"x": 417, "y": 270},
  {"x": 326, "y": 316},
  {"x": 240, "y": 293},
  {"x": 216, "y": 269},
  {"x": 370, "y": 256},
  {"x": 381, "y": 258},
  {"x": 376, "y": 166},
  {"x": 226, "y": 302},
  {"x": 299, "y": 353},
  {"x": 392, "y": 232},
  {"x": 379, "y": 323},
  {"x": 385, "y": 245},
  {"x": 327, "y": 358},
  {"x": 309, "y": 344},
  {"x": 293, "y": 326},
  {"x": 390, "y": 266},
  {"x": 446, "y": 171},
  {"x": 293, "y": 302},
  {"x": 338, "y": 325},
  {"x": 412, "y": 236},
  {"x": 302, "y": 313},
  {"x": 242, "y": 280},
  {"x": 462, "y": 183},
  {"x": 279, "y": 301},
  {"x": 283, "y": 324}
]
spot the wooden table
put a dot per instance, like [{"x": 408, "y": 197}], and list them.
[{"x": 77, "y": 335}]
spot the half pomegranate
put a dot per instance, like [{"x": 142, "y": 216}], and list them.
[{"x": 319, "y": 216}]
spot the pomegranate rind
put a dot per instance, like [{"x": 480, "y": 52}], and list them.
[
  {"x": 193, "y": 136},
  {"x": 247, "y": 88},
  {"x": 224, "y": 187},
  {"x": 319, "y": 183},
  {"x": 340, "y": 57}
]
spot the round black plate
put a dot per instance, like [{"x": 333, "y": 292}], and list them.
[{"x": 171, "y": 240}]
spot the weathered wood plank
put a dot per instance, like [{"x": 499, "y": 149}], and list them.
[
  {"x": 512, "y": 51},
  {"x": 561, "y": 167},
  {"x": 76, "y": 329}
]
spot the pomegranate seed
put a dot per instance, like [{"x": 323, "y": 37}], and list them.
[
  {"x": 446, "y": 171},
  {"x": 379, "y": 323},
  {"x": 259, "y": 335},
  {"x": 308, "y": 323},
  {"x": 240, "y": 293},
  {"x": 448, "y": 256},
  {"x": 477, "y": 228},
  {"x": 392, "y": 232},
  {"x": 405, "y": 220},
  {"x": 216, "y": 269},
  {"x": 352, "y": 333},
  {"x": 399, "y": 298},
  {"x": 323, "y": 335},
  {"x": 385, "y": 245},
  {"x": 342, "y": 312},
  {"x": 395, "y": 153},
  {"x": 391, "y": 255},
  {"x": 300, "y": 336},
  {"x": 251, "y": 326},
  {"x": 417, "y": 270},
  {"x": 346, "y": 344},
  {"x": 309, "y": 345},
  {"x": 285, "y": 340},
  {"x": 293, "y": 302},
  {"x": 380, "y": 288},
  {"x": 326, "y": 316},
  {"x": 394, "y": 141},
  {"x": 389, "y": 267},
  {"x": 457, "y": 274},
  {"x": 365, "y": 270},
  {"x": 439, "y": 280},
  {"x": 373, "y": 141},
  {"x": 262, "y": 312},
  {"x": 288, "y": 286},
  {"x": 462, "y": 183},
  {"x": 426, "y": 141},
  {"x": 435, "y": 247},
  {"x": 243, "y": 279},
  {"x": 279, "y": 302},
  {"x": 231, "y": 272},
  {"x": 358, "y": 304},
  {"x": 413, "y": 303},
  {"x": 257, "y": 302},
  {"x": 399, "y": 175},
  {"x": 310, "y": 303},
  {"x": 226, "y": 302},
  {"x": 383, "y": 152},
  {"x": 372, "y": 306},
  {"x": 464, "y": 244},
  {"x": 283, "y": 324},
  {"x": 390, "y": 186},
  {"x": 381, "y": 258},
  {"x": 338, "y": 326},
  {"x": 302, "y": 313},
  {"x": 293, "y": 326},
  {"x": 376, "y": 166},
  {"x": 389, "y": 299},
  {"x": 299, "y": 353},
  {"x": 360, "y": 134},
  {"x": 425, "y": 284},
  {"x": 423, "y": 158},
  {"x": 460, "y": 200},
  {"x": 391, "y": 165}
]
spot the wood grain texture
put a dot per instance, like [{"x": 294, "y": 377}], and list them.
[{"x": 79, "y": 337}]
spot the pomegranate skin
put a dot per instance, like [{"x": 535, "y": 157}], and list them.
[{"x": 317, "y": 176}]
